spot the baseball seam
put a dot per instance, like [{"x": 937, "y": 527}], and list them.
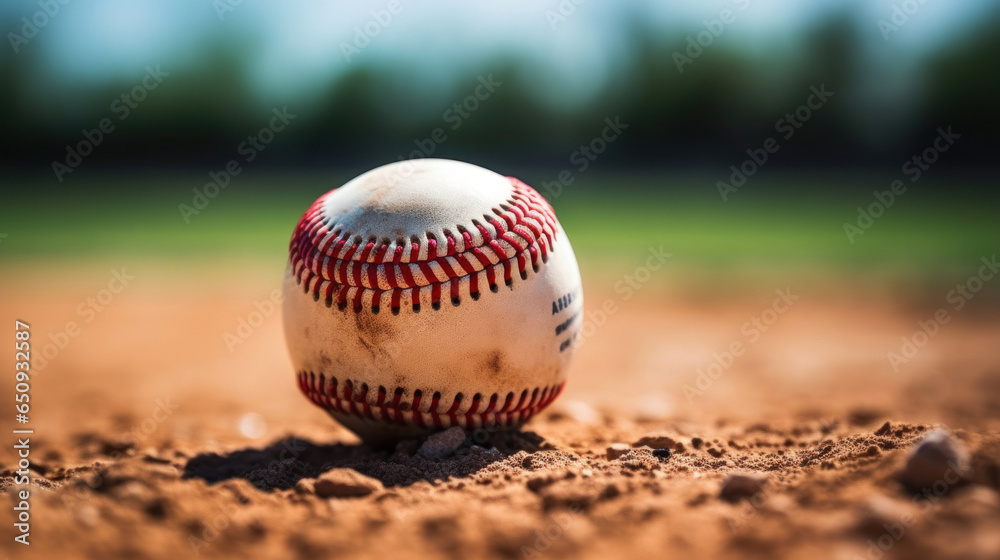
[
  {"x": 351, "y": 399},
  {"x": 332, "y": 265}
]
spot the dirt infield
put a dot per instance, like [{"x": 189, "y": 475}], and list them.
[{"x": 768, "y": 424}]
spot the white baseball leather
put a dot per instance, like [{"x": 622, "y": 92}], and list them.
[{"x": 389, "y": 315}]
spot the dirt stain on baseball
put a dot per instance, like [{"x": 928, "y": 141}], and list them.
[
  {"x": 499, "y": 369},
  {"x": 325, "y": 361},
  {"x": 494, "y": 362},
  {"x": 373, "y": 332}
]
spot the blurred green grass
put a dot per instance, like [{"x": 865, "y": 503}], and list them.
[{"x": 766, "y": 223}]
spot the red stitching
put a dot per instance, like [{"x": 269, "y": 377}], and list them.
[
  {"x": 329, "y": 263},
  {"x": 322, "y": 392}
]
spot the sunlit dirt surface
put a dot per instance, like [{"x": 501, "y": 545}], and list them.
[{"x": 164, "y": 430}]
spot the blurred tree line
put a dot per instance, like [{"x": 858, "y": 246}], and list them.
[{"x": 722, "y": 103}]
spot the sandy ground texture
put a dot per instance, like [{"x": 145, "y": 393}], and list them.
[{"x": 158, "y": 436}]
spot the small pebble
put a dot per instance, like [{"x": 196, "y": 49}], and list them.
[
  {"x": 616, "y": 450},
  {"x": 656, "y": 442},
  {"x": 442, "y": 444},
  {"x": 339, "y": 483},
  {"x": 938, "y": 459},
  {"x": 662, "y": 454},
  {"x": 581, "y": 412}
]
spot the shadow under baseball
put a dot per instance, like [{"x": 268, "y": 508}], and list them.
[{"x": 285, "y": 462}]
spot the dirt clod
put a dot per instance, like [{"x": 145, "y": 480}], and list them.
[
  {"x": 738, "y": 487},
  {"x": 616, "y": 450}
]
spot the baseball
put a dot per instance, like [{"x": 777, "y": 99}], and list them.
[{"x": 430, "y": 293}]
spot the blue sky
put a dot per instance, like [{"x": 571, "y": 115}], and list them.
[{"x": 294, "y": 47}]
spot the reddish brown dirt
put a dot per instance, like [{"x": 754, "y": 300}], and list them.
[{"x": 154, "y": 440}]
